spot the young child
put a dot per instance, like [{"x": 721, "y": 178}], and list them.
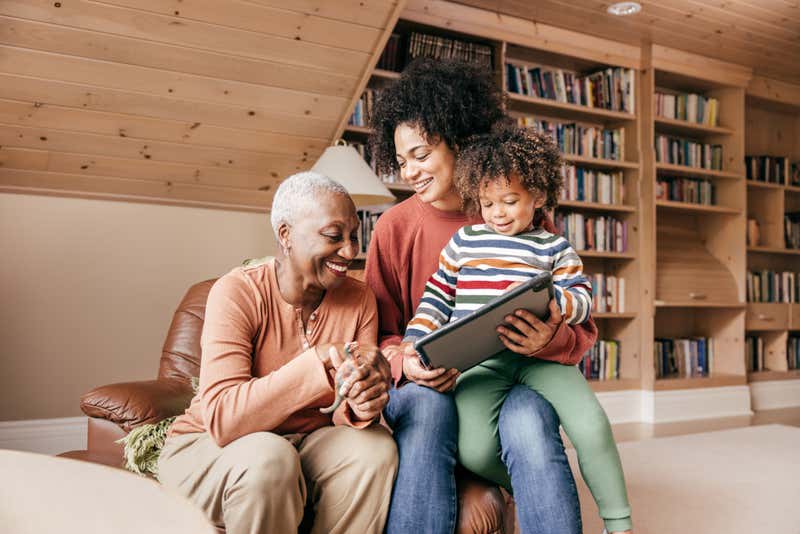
[{"x": 510, "y": 176}]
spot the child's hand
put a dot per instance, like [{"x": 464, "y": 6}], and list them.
[
  {"x": 534, "y": 333},
  {"x": 440, "y": 379}
]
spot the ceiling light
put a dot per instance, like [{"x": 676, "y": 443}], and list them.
[{"x": 624, "y": 8}]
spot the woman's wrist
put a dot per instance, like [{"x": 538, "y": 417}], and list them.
[{"x": 323, "y": 353}]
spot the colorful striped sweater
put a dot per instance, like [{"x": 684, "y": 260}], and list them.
[{"x": 478, "y": 264}]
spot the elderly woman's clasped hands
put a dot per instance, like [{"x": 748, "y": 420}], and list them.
[{"x": 362, "y": 378}]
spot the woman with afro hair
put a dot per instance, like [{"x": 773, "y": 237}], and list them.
[{"x": 419, "y": 123}]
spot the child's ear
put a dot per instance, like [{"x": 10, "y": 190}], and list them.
[{"x": 539, "y": 199}]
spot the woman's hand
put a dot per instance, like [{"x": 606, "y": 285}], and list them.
[
  {"x": 440, "y": 379},
  {"x": 367, "y": 378},
  {"x": 534, "y": 333}
]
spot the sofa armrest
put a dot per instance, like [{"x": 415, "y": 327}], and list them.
[{"x": 130, "y": 404}]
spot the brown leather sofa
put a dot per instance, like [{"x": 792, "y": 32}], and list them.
[{"x": 115, "y": 409}]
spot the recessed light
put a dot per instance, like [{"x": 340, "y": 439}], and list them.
[{"x": 624, "y": 8}]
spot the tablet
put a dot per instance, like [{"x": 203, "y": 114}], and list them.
[{"x": 470, "y": 340}]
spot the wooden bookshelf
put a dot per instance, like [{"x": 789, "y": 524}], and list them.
[
  {"x": 763, "y": 376},
  {"x": 686, "y": 264},
  {"x": 613, "y": 315},
  {"x": 565, "y": 110},
  {"x": 607, "y": 255},
  {"x": 689, "y": 129},
  {"x": 595, "y": 206},
  {"x": 357, "y": 130},
  {"x": 619, "y": 384},
  {"x": 599, "y": 163},
  {"x": 669, "y": 168},
  {"x": 772, "y": 127},
  {"x": 697, "y": 208},
  {"x": 714, "y": 381},
  {"x": 385, "y": 74},
  {"x": 773, "y": 250},
  {"x": 699, "y": 254}
]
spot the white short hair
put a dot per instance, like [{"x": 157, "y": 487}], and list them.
[{"x": 298, "y": 192}]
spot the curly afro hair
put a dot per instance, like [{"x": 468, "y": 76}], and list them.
[
  {"x": 447, "y": 100},
  {"x": 509, "y": 150}
]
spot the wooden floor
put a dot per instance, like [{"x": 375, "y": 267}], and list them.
[{"x": 638, "y": 431}]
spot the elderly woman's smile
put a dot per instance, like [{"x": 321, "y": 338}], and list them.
[{"x": 318, "y": 235}]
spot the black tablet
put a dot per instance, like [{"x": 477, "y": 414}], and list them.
[{"x": 470, "y": 340}]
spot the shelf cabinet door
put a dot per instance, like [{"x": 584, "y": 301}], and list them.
[{"x": 767, "y": 316}]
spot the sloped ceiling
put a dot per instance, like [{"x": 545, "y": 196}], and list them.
[
  {"x": 761, "y": 34},
  {"x": 206, "y": 102}
]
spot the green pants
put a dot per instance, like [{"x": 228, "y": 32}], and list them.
[{"x": 480, "y": 394}]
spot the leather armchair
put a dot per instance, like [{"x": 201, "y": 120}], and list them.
[{"x": 115, "y": 409}]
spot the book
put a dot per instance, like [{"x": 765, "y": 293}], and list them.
[
  {"x": 769, "y": 169},
  {"x": 610, "y": 88}
]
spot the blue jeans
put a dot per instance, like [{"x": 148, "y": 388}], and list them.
[
  {"x": 533, "y": 453},
  {"x": 425, "y": 426}
]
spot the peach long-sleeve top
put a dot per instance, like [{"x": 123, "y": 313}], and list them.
[{"x": 259, "y": 370}]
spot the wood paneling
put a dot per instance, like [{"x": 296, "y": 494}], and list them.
[
  {"x": 761, "y": 34},
  {"x": 210, "y": 101}
]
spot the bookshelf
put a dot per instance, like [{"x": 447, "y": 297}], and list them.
[
  {"x": 699, "y": 249},
  {"x": 772, "y": 130},
  {"x": 686, "y": 261}
]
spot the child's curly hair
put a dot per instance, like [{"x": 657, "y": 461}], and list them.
[
  {"x": 508, "y": 150},
  {"x": 447, "y": 100}
]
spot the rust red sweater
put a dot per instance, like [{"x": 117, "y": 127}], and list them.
[{"x": 404, "y": 252}]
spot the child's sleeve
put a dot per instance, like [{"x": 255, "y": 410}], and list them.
[
  {"x": 439, "y": 298},
  {"x": 573, "y": 292}
]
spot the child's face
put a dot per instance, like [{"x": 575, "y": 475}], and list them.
[{"x": 507, "y": 207}]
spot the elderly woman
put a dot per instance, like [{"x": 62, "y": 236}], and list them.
[{"x": 253, "y": 449}]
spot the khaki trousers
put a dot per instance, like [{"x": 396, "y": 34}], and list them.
[{"x": 261, "y": 483}]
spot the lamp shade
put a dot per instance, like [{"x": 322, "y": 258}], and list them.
[{"x": 344, "y": 164}]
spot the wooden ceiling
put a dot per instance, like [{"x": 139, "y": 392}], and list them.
[
  {"x": 200, "y": 102},
  {"x": 761, "y": 34}
]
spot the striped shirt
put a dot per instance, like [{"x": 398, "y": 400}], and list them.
[{"x": 478, "y": 264}]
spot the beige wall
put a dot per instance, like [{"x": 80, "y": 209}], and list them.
[{"x": 88, "y": 288}]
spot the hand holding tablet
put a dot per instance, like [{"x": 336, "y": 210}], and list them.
[{"x": 468, "y": 341}]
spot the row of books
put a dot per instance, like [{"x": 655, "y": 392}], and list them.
[
  {"x": 769, "y": 169},
  {"x": 608, "y": 293},
  {"x": 591, "y": 185},
  {"x": 688, "y": 107},
  {"x": 437, "y": 47},
  {"x": 601, "y": 362},
  {"x": 611, "y": 88},
  {"x": 679, "y": 151},
  {"x": 755, "y": 353},
  {"x": 793, "y": 352},
  {"x": 581, "y": 140},
  {"x": 367, "y": 218},
  {"x": 402, "y": 49},
  {"x": 683, "y": 357},
  {"x": 393, "y": 55},
  {"x": 602, "y": 234},
  {"x": 791, "y": 224},
  {"x": 772, "y": 286},
  {"x": 691, "y": 190},
  {"x": 363, "y": 108}
]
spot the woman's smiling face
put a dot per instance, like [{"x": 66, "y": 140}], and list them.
[
  {"x": 427, "y": 167},
  {"x": 324, "y": 242}
]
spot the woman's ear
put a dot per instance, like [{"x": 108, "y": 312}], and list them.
[{"x": 284, "y": 239}]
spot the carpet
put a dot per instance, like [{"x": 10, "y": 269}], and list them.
[{"x": 745, "y": 480}]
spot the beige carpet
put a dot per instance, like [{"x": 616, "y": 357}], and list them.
[{"x": 745, "y": 480}]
